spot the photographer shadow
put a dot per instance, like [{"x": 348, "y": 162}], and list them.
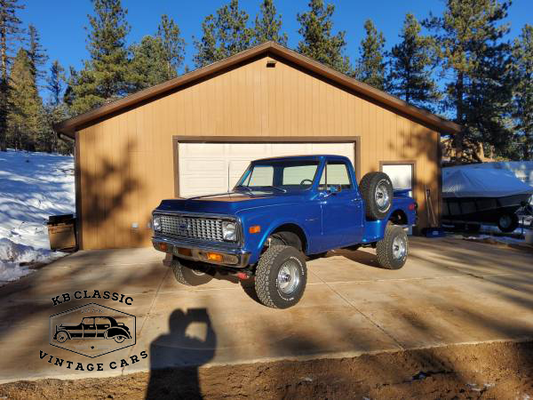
[{"x": 176, "y": 356}]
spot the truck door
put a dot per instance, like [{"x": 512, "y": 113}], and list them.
[{"x": 341, "y": 206}]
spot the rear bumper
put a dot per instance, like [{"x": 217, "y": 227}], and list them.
[{"x": 233, "y": 257}]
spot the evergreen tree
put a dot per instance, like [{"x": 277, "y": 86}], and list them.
[
  {"x": 149, "y": 64},
  {"x": 224, "y": 34},
  {"x": 468, "y": 40},
  {"x": 523, "y": 91},
  {"x": 268, "y": 25},
  {"x": 371, "y": 64},
  {"x": 173, "y": 44},
  {"x": 36, "y": 53},
  {"x": 25, "y": 116},
  {"x": 318, "y": 41},
  {"x": 55, "y": 111},
  {"x": 411, "y": 63},
  {"x": 9, "y": 33},
  {"x": 56, "y": 83},
  {"x": 105, "y": 76}
]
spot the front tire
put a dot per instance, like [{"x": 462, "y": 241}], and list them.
[
  {"x": 280, "y": 277},
  {"x": 392, "y": 250},
  {"x": 61, "y": 337},
  {"x": 190, "y": 275}
]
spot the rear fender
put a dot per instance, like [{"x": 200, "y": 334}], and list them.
[{"x": 117, "y": 331}]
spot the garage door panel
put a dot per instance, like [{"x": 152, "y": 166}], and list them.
[
  {"x": 197, "y": 185},
  {"x": 193, "y": 165},
  {"x": 206, "y": 168},
  {"x": 257, "y": 150}
]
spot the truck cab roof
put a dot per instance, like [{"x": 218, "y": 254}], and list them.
[{"x": 317, "y": 157}]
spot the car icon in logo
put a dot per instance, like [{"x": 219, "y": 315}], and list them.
[
  {"x": 92, "y": 330},
  {"x": 104, "y": 327}
]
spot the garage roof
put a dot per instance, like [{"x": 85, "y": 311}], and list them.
[{"x": 69, "y": 126}]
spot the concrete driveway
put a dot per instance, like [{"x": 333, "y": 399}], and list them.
[{"x": 450, "y": 291}]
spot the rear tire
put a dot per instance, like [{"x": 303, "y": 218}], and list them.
[
  {"x": 392, "y": 250},
  {"x": 280, "y": 277},
  {"x": 507, "y": 222},
  {"x": 376, "y": 189},
  {"x": 193, "y": 275}
]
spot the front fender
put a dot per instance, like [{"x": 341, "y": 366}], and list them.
[{"x": 271, "y": 218}]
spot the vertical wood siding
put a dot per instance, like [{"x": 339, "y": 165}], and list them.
[{"x": 126, "y": 161}]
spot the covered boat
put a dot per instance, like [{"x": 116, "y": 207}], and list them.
[{"x": 473, "y": 195}]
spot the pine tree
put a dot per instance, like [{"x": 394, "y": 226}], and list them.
[
  {"x": 468, "y": 40},
  {"x": 268, "y": 25},
  {"x": 411, "y": 63},
  {"x": 105, "y": 76},
  {"x": 224, "y": 34},
  {"x": 55, "y": 111},
  {"x": 371, "y": 64},
  {"x": 523, "y": 90},
  {"x": 56, "y": 83},
  {"x": 173, "y": 44},
  {"x": 25, "y": 116},
  {"x": 36, "y": 53},
  {"x": 149, "y": 64},
  {"x": 318, "y": 41},
  {"x": 10, "y": 32}
]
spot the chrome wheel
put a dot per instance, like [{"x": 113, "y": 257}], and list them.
[
  {"x": 197, "y": 272},
  {"x": 399, "y": 248},
  {"x": 382, "y": 196},
  {"x": 288, "y": 277}
]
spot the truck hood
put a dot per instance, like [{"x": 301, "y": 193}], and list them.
[{"x": 226, "y": 203}]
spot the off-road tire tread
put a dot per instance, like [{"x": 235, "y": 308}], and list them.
[
  {"x": 178, "y": 270},
  {"x": 264, "y": 267},
  {"x": 384, "y": 246}
]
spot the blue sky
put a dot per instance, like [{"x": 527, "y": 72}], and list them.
[{"x": 62, "y": 23}]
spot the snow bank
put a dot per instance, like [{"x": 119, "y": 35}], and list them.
[{"x": 33, "y": 186}]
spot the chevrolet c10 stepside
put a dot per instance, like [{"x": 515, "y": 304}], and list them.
[{"x": 282, "y": 211}]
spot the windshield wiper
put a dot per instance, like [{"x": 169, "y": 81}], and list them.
[
  {"x": 278, "y": 188},
  {"x": 250, "y": 190}
]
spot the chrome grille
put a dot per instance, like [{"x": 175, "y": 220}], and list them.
[{"x": 180, "y": 226}]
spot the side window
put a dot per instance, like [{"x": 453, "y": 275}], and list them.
[
  {"x": 335, "y": 174},
  {"x": 262, "y": 176}
]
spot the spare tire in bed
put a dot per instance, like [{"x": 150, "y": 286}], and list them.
[{"x": 376, "y": 190}]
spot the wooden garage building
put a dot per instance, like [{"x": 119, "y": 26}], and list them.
[{"x": 195, "y": 134}]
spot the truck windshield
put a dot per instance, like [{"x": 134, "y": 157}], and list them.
[{"x": 279, "y": 175}]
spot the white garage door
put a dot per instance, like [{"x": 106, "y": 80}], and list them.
[{"x": 206, "y": 168}]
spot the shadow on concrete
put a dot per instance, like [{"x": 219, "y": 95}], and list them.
[{"x": 176, "y": 356}]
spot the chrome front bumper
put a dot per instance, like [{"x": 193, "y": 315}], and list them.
[{"x": 233, "y": 257}]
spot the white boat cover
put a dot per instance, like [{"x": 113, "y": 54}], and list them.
[
  {"x": 523, "y": 170},
  {"x": 472, "y": 181}
]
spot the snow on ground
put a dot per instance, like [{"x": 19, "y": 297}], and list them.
[{"x": 33, "y": 186}]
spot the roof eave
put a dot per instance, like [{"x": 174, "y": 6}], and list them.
[{"x": 69, "y": 126}]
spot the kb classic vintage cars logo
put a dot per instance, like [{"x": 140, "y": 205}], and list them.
[{"x": 92, "y": 330}]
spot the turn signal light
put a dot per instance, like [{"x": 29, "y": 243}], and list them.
[
  {"x": 163, "y": 247},
  {"x": 215, "y": 257},
  {"x": 255, "y": 229},
  {"x": 412, "y": 206}
]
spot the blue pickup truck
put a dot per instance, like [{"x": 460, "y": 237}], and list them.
[{"x": 282, "y": 212}]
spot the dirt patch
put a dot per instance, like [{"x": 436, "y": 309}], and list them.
[{"x": 483, "y": 371}]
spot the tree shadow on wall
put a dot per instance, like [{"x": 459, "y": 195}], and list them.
[
  {"x": 109, "y": 189},
  {"x": 176, "y": 356}
]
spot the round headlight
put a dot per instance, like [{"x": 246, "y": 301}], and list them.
[
  {"x": 229, "y": 231},
  {"x": 156, "y": 223}
]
